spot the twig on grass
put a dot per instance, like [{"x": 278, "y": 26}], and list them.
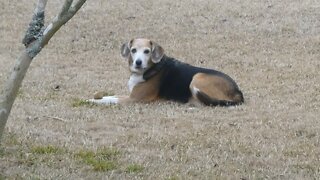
[{"x": 55, "y": 118}]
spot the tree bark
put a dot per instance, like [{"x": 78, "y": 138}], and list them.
[
  {"x": 35, "y": 39},
  {"x": 12, "y": 88}
]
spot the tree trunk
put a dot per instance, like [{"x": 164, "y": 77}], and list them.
[
  {"x": 12, "y": 87},
  {"x": 35, "y": 39}
]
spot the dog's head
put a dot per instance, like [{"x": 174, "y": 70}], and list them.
[{"x": 141, "y": 54}]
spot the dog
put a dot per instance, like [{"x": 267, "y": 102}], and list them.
[{"x": 155, "y": 76}]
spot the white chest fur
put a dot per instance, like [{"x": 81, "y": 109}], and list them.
[{"x": 134, "y": 80}]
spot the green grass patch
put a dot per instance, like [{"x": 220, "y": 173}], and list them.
[
  {"x": 2, "y": 153},
  {"x": 80, "y": 102},
  {"x": 45, "y": 150},
  {"x": 2, "y": 177},
  {"x": 134, "y": 168},
  {"x": 51, "y": 156},
  {"x": 101, "y": 165},
  {"x": 102, "y": 160}
]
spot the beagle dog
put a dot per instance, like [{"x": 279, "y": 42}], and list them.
[{"x": 155, "y": 76}]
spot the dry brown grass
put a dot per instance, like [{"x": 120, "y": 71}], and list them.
[{"x": 271, "y": 48}]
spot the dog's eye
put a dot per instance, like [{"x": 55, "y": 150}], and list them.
[
  {"x": 147, "y": 51},
  {"x": 134, "y": 50}
]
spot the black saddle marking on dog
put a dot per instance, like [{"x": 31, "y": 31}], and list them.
[{"x": 176, "y": 78}]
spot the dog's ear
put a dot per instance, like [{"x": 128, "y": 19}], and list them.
[
  {"x": 125, "y": 49},
  {"x": 157, "y": 52}
]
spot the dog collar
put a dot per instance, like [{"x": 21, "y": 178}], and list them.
[{"x": 154, "y": 69}]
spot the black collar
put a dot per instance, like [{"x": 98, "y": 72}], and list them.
[{"x": 154, "y": 69}]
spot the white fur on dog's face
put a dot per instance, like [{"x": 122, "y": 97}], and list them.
[
  {"x": 140, "y": 51},
  {"x": 141, "y": 54}
]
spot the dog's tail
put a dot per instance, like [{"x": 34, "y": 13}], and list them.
[{"x": 207, "y": 100}]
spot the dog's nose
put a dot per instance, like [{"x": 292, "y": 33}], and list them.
[{"x": 138, "y": 62}]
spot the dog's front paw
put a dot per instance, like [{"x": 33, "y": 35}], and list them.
[{"x": 106, "y": 100}]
